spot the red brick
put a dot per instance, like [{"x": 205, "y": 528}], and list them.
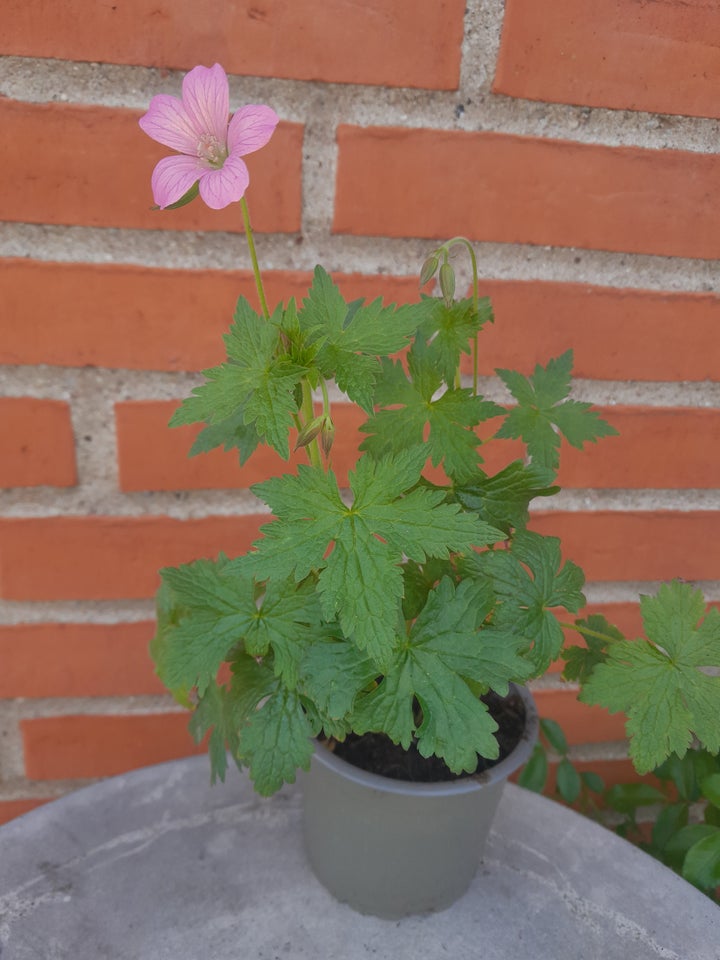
[
  {"x": 153, "y": 456},
  {"x": 148, "y": 319},
  {"x": 36, "y": 443},
  {"x": 105, "y": 558},
  {"x": 661, "y": 57},
  {"x": 580, "y": 723},
  {"x": 616, "y": 334},
  {"x": 397, "y": 182},
  {"x": 136, "y": 318},
  {"x": 77, "y": 660},
  {"x": 61, "y": 748},
  {"x": 9, "y": 809},
  {"x": 667, "y": 449},
  {"x": 405, "y": 43},
  {"x": 638, "y": 545},
  {"x": 92, "y": 165}
]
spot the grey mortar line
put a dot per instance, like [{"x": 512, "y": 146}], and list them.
[
  {"x": 179, "y": 250},
  {"x": 98, "y": 612}
]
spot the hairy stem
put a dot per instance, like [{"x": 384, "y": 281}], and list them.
[
  {"x": 308, "y": 413},
  {"x": 253, "y": 258},
  {"x": 587, "y": 632}
]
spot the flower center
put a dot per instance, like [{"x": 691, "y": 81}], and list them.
[{"x": 209, "y": 148}]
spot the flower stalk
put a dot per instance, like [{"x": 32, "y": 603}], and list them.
[{"x": 253, "y": 258}]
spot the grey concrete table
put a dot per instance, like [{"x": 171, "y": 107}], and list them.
[{"x": 157, "y": 864}]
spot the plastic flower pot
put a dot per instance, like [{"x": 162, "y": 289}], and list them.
[{"x": 392, "y": 848}]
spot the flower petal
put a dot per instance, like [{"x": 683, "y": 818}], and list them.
[
  {"x": 173, "y": 177},
  {"x": 251, "y": 128},
  {"x": 168, "y": 122},
  {"x": 206, "y": 98},
  {"x": 220, "y": 187}
]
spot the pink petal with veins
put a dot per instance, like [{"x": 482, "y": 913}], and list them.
[
  {"x": 167, "y": 122},
  {"x": 173, "y": 177},
  {"x": 206, "y": 99},
  {"x": 251, "y": 128},
  {"x": 220, "y": 187}
]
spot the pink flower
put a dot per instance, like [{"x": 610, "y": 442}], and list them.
[{"x": 197, "y": 127}]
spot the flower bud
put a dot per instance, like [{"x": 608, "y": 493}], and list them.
[
  {"x": 309, "y": 432},
  {"x": 447, "y": 281},
  {"x": 428, "y": 269},
  {"x": 327, "y": 436}
]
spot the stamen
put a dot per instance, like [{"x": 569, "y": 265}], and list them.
[{"x": 209, "y": 148}]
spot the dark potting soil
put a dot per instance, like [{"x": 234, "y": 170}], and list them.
[{"x": 376, "y": 753}]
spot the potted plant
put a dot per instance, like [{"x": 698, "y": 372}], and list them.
[{"x": 377, "y": 636}]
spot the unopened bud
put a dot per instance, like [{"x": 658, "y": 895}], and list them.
[
  {"x": 447, "y": 281},
  {"x": 327, "y": 436},
  {"x": 309, "y": 432},
  {"x": 428, "y": 269}
]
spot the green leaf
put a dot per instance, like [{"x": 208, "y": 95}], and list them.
[
  {"x": 627, "y": 797},
  {"x": 252, "y": 681},
  {"x": 662, "y": 684},
  {"x": 231, "y": 433},
  {"x": 332, "y": 674},
  {"x": 418, "y": 580},
  {"x": 669, "y": 821},
  {"x": 388, "y": 708},
  {"x": 448, "y": 419},
  {"x": 285, "y": 623},
  {"x": 445, "y": 652},
  {"x": 569, "y": 783},
  {"x": 169, "y": 612},
  {"x": 710, "y": 787},
  {"x": 702, "y": 862},
  {"x": 214, "y": 608},
  {"x": 258, "y": 380},
  {"x": 530, "y": 581},
  {"x": 543, "y": 412},
  {"x": 581, "y": 661},
  {"x": 502, "y": 500},
  {"x": 358, "y": 549},
  {"x": 553, "y": 733},
  {"x": 686, "y": 773},
  {"x": 535, "y": 772},
  {"x": 450, "y": 329},
  {"x": 593, "y": 781},
  {"x": 215, "y": 712},
  {"x": 276, "y": 740},
  {"x": 681, "y": 841},
  {"x": 219, "y": 610},
  {"x": 350, "y": 338},
  {"x": 451, "y": 627}
]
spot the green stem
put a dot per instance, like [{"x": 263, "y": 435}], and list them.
[
  {"x": 475, "y": 298},
  {"x": 313, "y": 448},
  {"x": 308, "y": 412},
  {"x": 587, "y": 632},
  {"x": 253, "y": 258},
  {"x": 326, "y": 398}
]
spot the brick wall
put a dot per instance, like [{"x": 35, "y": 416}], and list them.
[{"x": 576, "y": 146}]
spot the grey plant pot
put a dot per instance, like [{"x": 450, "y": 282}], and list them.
[{"x": 393, "y": 848}]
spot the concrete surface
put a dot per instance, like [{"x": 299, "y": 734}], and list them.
[{"x": 157, "y": 864}]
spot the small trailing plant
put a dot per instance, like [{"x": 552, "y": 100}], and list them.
[
  {"x": 394, "y": 605},
  {"x": 668, "y": 686}
]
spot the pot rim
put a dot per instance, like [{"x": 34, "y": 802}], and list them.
[{"x": 470, "y": 784}]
